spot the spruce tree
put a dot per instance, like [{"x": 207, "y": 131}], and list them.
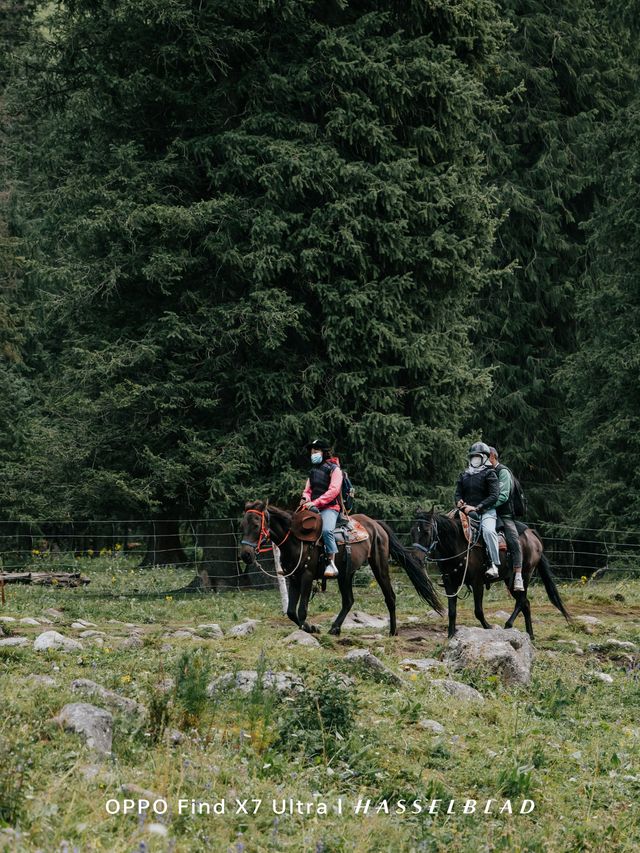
[{"x": 259, "y": 222}]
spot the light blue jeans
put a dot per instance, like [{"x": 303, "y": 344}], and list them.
[
  {"x": 488, "y": 526},
  {"x": 329, "y": 518}
]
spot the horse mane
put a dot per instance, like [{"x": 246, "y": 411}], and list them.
[{"x": 448, "y": 530}]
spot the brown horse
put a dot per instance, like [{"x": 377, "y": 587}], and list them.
[
  {"x": 440, "y": 538},
  {"x": 301, "y": 562}
]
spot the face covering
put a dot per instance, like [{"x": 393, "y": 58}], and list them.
[
  {"x": 316, "y": 458},
  {"x": 476, "y": 461}
]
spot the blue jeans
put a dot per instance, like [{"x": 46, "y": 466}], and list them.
[
  {"x": 329, "y": 518},
  {"x": 488, "y": 526}
]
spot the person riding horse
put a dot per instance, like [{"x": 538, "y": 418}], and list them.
[
  {"x": 478, "y": 490},
  {"x": 322, "y": 494},
  {"x": 504, "y": 509}
]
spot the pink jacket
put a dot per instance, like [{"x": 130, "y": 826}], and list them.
[{"x": 330, "y": 499}]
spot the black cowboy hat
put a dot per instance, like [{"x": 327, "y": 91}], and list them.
[{"x": 319, "y": 444}]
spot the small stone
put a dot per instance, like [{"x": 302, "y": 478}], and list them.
[
  {"x": 174, "y": 736},
  {"x": 502, "y": 615},
  {"x": 42, "y": 680},
  {"x": 133, "y": 642},
  {"x": 158, "y": 829},
  {"x": 210, "y": 629},
  {"x": 246, "y": 679},
  {"x": 54, "y": 640},
  {"x": 181, "y": 634},
  {"x": 612, "y": 645},
  {"x": 363, "y": 657},
  {"x": 458, "y": 690},
  {"x": 88, "y": 634},
  {"x": 243, "y": 629},
  {"x": 575, "y": 647},
  {"x": 588, "y": 620},
  {"x": 81, "y": 624},
  {"x": 301, "y": 638},
  {"x": 29, "y": 621},
  {"x": 360, "y": 619},
  {"x": 95, "y": 724},
  {"x": 432, "y": 726},
  {"x": 13, "y": 641},
  {"x": 420, "y": 664},
  {"x": 7, "y": 619},
  {"x": 601, "y": 676},
  {"x": 53, "y": 613}
]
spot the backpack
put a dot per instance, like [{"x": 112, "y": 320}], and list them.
[
  {"x": 518, "y": 499},
  {"x": 347, "y": 491}
]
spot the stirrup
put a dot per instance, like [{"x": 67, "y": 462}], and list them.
[{"x": 331, "y": 570}]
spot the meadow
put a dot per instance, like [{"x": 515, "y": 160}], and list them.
[{"x": 568, "y": 741}]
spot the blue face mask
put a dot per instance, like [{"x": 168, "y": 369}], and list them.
[{"x": 316, "y": 458}]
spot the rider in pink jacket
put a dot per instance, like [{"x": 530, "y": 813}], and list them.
[{"x": 322, "y": 494}]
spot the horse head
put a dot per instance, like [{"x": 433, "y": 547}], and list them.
[
  {"x": 254, "y": 528},
  {"x": 424, "y": 533}
]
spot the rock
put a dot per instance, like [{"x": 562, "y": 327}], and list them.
[
  {"x": 110, "y": 697},
  {"x": 158, "y": 829},
  {"x": 210, "y": 629},
  {"x": 88, "y": 634},
  {"x": 246, "y": 679},
  {"x": 95, "y": 724},
  {"x": 135, "y": 641},
  {"x": 505, "y": 651},
  {"x": 54, "y": 640},
  {"x": 243, "y": 629},
  {"x": 459, "y": 690},
  {"x": 181, "y": 634},
  {"x": 575, "y": 647},
  {"x": 420, "y": 664},
  {"x": 432, "y": 726},
  {"x": 29, "y": 621},
  {"x": 501, "y": 615},
  {"x": 7, "y": 619},
  {"x": 364, "y": 658},
  {"x": 612, "y": 646},
  {"x": 166, "y": 685},
  {"x": 173, "y": 736},
  {"x": 360, "y": 619},
  {"x": 55, "y": 614},
  {"x": 13, "y": 641},
  {"x": 301, "y": 638},
  {"x": 42, "y": 680},
  {"x": 587, "y": 620},
  {"x": 601, "y": 676},
  {"x": 80, "y": 624}
]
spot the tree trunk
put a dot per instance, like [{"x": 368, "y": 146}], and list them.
[{"x": 164, "y": 545}]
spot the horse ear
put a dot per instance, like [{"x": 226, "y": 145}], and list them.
[{"x": 433, "y": 508}]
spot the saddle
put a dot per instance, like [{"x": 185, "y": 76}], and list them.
[
  {"x": 307, "y": 527},
  {"x": 471, "y": 529}
]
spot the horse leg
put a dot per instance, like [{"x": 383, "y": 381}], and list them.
[
  {"x": 294, "y": 596},
  {"x": 380, "y": 568},
  {"x": 306, "y": 583},
  {"x": 345, "y": 584},
  {"x": 452, "y": 603},
  {"x": 478, "y": 594}
]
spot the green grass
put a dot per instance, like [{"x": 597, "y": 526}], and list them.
[{"x": 568, "y": 742}]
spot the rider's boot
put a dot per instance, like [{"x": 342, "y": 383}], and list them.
[
  {"x": 493, "y": 573},
  {"x": 518, "y": 585},
  {"x": 331, "y": 570}
]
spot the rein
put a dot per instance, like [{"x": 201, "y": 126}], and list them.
[
  {"x": 434, "y": 544},
  {"x": 264, "y": 535}
]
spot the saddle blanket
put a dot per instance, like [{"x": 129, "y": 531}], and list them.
[
  {"x": 307, "y": 526},
  {"x": 470, "y": 529},
  {"x": 350, "y": 533}
]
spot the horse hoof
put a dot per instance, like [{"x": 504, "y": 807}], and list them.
[
  {"x": 310, "y": 629},
  {"x": 335, "y": 632},
  {"x": 508, "y": 625}
]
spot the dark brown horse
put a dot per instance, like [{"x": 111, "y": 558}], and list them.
[
  {"x": 440, "y": 538},
  {"x": 301, "y": 562}
]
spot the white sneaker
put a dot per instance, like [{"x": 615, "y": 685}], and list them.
[
  {"x": 331, "y": 571},
  {"x": 518, "y": 586},
  {"x": 492, "y": 573}
]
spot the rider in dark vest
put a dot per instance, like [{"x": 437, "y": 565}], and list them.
[
  {"x": 504, "y": 508},
  {"x": 322, "y": 494},
  {"x": 477, "y": 490}
]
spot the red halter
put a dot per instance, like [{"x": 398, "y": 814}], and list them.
[{"x": 264, "y": 536}]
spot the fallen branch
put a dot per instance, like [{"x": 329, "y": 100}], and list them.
[{"x": 51, "y": 578}]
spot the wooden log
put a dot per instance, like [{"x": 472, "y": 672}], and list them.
[{"x": 52, "y": 578}]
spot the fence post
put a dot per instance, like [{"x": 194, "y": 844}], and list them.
[{"x": 282, "y": 583}]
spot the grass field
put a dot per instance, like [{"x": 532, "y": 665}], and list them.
[{"x": 569, "y": 741}]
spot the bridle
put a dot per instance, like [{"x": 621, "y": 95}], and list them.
[
  {"x": 264, "y": 537},
  {"x": 428, "y": 552}
]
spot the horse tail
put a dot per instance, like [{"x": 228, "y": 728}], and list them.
[
  {"x": 414, "y": 568},
  {"x": 544, "y": 567}
]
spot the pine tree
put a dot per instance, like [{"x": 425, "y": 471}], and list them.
[
  {"x": 562, "y": 64},
  {"x": 258, "y": 222}
]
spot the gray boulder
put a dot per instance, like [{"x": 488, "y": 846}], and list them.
[
  {"x": 301, "y": 638},
  {"x": 458, "y": 690},
  {"x": 360, "y": 619},
  {"x": 243, "y": 629},
  {"x": 95, "y": 724},
  {"x": 432, "y": 726},
  {"x": 54, "y": 640},
  {"x": 210, "y": 629},
  {"x": 506, "y": 652},
  {"x": 110, "y": 697},
  {"x": 420, "y": 664},
  {"x": 364, "y": 658},
  {"x": 612, "y": 647},
  {"x": 246, "y": 679},
  {"x": 13, "y": 641}
]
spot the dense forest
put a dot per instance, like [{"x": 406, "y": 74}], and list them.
[{"x": 226, "y": 227}]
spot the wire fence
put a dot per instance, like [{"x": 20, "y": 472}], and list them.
[{"x": 203, "y": 553}]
